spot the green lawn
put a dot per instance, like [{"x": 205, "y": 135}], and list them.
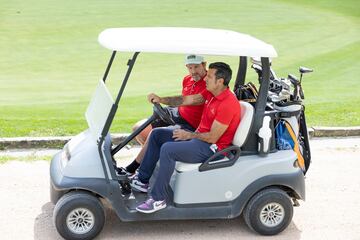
[
  {"x": 51, "y": 61},
  {"x": 28, "y": 158}
]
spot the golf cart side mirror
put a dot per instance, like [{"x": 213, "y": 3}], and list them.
[{"x": 305, "y": 70}]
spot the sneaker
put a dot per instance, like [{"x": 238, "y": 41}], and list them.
[
  {"x": 132, "y": 176},
  {"x": 150, "y": 206},
  {"x": 122, "y": 171},
  {"x": 136, "y": 184}
]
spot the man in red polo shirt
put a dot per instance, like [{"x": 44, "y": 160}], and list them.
[
  {"x": 187, "y": 117},
  {"x": 219, "y": 121}
]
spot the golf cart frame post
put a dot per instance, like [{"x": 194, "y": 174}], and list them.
[{"x": 112, "y": 114}]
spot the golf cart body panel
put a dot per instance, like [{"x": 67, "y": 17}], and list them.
[
  {"x": 185, "y": 41},
  {"x": 246, "y": 170},
  {"x": 292, "y": 183},
  {"x": 75, "y": 151},
  {"x": 69, "y": 171}
]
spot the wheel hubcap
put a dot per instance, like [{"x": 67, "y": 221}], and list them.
[
  {"x": 80, "y": 220},
  {"x": 272, "y": 214}
]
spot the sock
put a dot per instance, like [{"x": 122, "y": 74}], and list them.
[{"x": 131, "y": 168}]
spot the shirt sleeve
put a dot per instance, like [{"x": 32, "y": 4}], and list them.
[
  {"x": 225, "y": 113},
  {"x": 205, "y": 93}
]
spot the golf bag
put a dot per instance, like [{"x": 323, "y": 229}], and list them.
[{"x": 291, "y": 133}]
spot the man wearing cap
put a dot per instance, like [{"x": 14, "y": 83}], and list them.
[{"x": 187, "y": 117}]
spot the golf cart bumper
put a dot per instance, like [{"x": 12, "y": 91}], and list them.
[
  {"x": 60, "y": 184},
  {"x": 55, "y": 179}
]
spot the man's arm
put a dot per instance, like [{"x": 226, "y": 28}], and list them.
[
  {"x": 216, "y": 131},
  {"x": 175, "y": 101},
  {"x": 172, "y": 101}
]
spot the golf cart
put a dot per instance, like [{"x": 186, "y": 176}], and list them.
[{"x": 250, "y": 177}]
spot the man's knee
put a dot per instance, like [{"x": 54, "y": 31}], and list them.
[
  {"x": 169, "y": 149},
  {"x": 143, "y": 135},
  {"x": 157, "y": 133}
]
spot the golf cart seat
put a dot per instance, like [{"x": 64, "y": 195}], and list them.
[{"x": 241, "y": 134}]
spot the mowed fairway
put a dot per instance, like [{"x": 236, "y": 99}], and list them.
[{"x": 51, "y": 61}]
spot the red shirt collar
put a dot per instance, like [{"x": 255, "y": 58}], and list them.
[
  {"x": 223, "y": 94},
  {"x": 196, "y": 82}
]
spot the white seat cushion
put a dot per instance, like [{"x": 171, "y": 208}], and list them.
[
  {"x": 247, "y": 114},
  {"x": 184, "y": 167}
]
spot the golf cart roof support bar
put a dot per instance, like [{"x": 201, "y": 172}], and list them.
[
  {"x": 102, "y": 139},
  {"x": 130, "y": 63},
  {"x": 263, "y": 93},
  {"x": 109, "y": 65},
  {"x": 132, "y": 135},
  {"x": 241, "y": 74},
  {"x": 115, "y": 105},
  {"x": 113, "y": 111},
  {"x": 100, "y": 145}
]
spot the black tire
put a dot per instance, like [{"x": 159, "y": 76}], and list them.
[
  {"x": 85, "y": 204},
  {"x": 269, "y": 202}
]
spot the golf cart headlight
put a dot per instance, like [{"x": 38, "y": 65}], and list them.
[{"x": 65, "y": 155}]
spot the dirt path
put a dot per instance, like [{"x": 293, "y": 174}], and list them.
[{"x": 331, "y": 210}]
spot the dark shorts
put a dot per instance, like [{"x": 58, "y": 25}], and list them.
[{"x": 174, "y": 113}]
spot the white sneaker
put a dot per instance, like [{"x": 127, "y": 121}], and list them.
[
  {"x": 136, "y": 184},
  {"x": 150, "y": 206}
]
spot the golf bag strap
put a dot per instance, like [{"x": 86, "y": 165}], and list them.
[
  {"x": 296, "y": 148},
  {"x": 287, "y": 114}
]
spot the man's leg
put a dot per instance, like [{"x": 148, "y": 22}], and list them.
[
  {"x": 193, "y": 151},
  {"x": 142, "y": 138},
  {"x": 131, "y": 168},
  {"x": 157, "y": 138}
]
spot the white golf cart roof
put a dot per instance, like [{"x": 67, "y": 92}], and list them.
[{"x": 185, "y": 40}]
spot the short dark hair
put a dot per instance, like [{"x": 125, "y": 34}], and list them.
[{"x": 223, "y": 71}]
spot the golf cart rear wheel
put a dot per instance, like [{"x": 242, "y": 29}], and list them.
[
  {"x": 269, "y": 211},
  {"x": 79, "y": 215}
]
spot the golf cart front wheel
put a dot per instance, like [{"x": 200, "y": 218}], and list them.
[
  {"x": 269, "y": 211},
  {"x": 79, "y": 216}
]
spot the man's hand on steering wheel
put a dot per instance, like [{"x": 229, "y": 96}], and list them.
[
  {"x": 153, "y": 98},
  {"x": 163, "y": 114}
]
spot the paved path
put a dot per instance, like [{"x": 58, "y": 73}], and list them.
[{"x": 331, "y": 210}]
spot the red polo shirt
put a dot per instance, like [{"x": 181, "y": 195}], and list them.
[
  {"x": 192, "y": 114},
  {"x": 224, "y": 108}
]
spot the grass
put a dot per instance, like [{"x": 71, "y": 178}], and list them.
[
  {"x": 30, "y": 158},
  {"x": 51, "y": 60}
]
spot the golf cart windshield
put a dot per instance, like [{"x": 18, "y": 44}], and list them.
[{"x": 98, "y": 110}]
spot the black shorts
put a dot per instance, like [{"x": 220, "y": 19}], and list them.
[{"x": 174, "y": 114}]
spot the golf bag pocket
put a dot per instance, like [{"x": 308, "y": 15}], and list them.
[{"x": 286, "y": 139}]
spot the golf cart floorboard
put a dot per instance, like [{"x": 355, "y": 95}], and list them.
[{"x": 133, "y": 199}]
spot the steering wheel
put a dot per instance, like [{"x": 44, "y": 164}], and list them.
[{"x": 163, "y": 115}]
